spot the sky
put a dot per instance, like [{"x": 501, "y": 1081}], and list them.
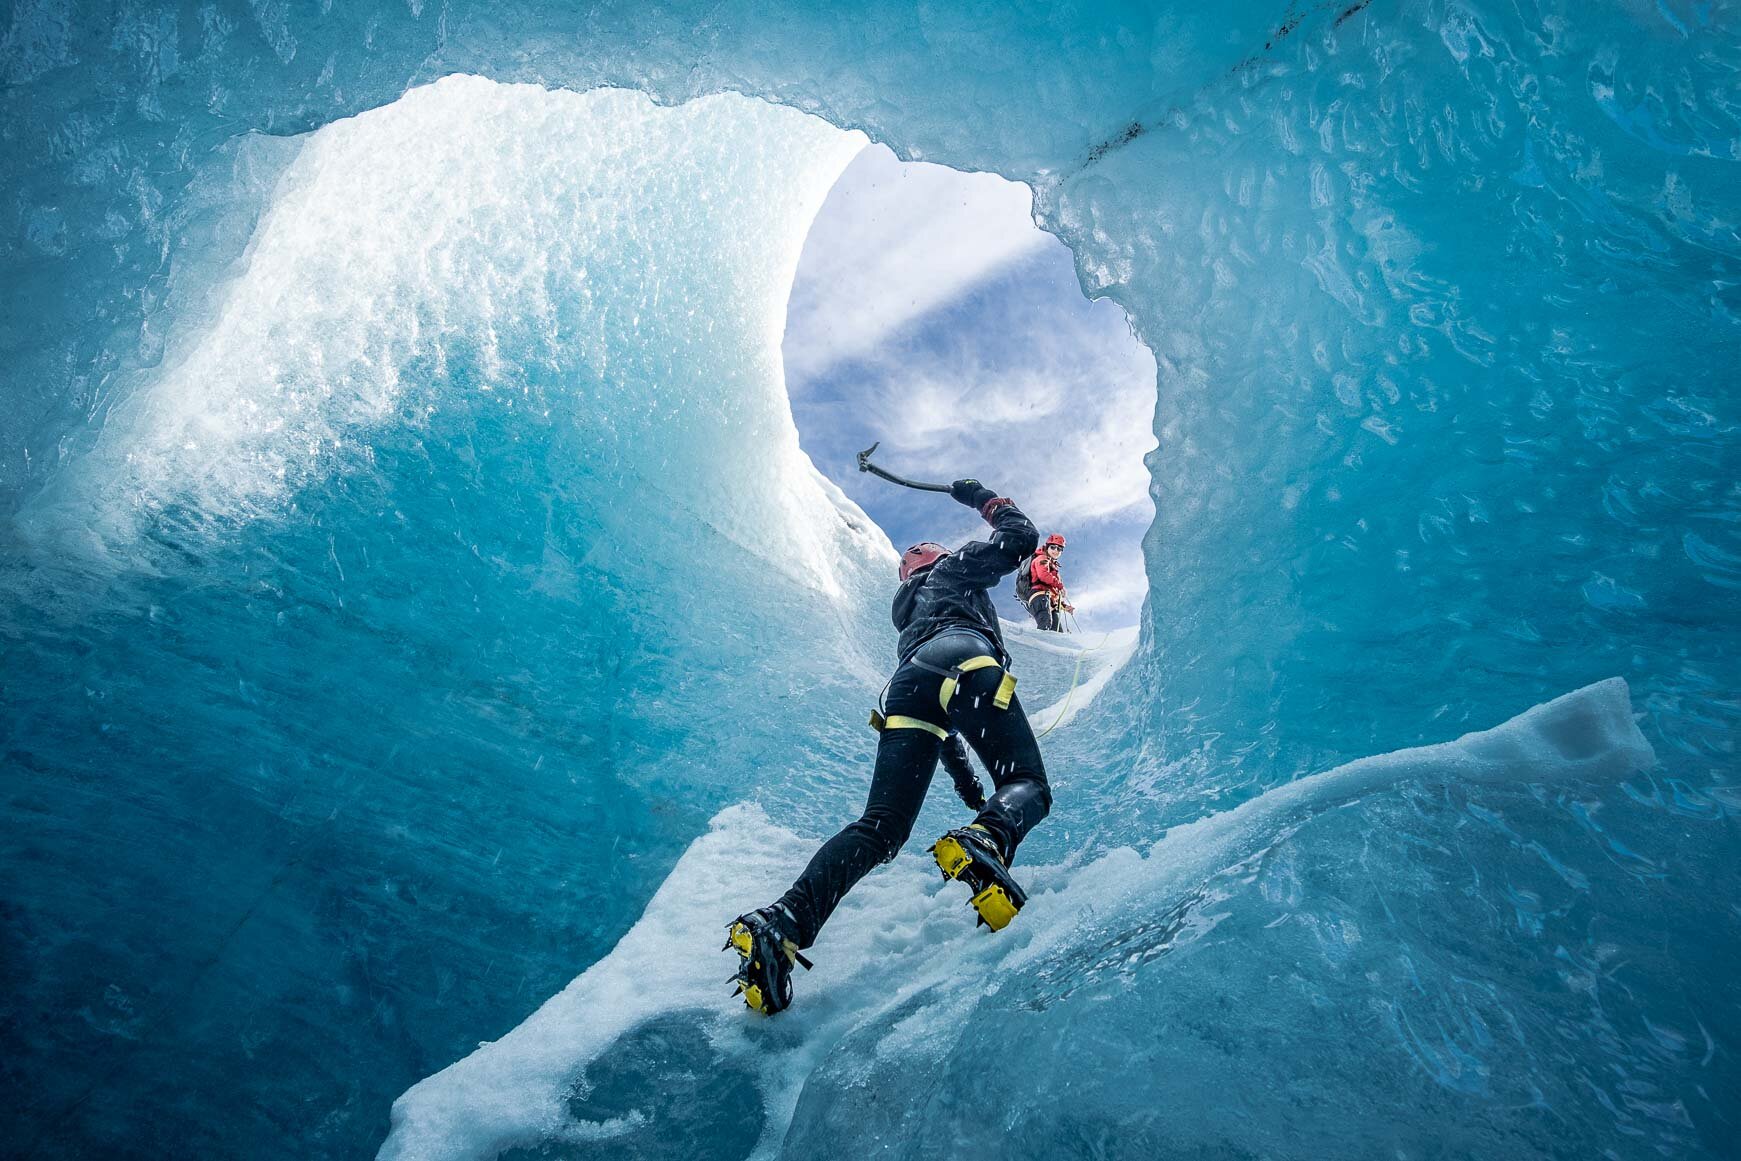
[{"x": 929, "y": 313}]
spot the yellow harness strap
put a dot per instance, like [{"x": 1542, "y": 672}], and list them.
[
  {"x": 902, "y": 722},
  {"x": 1005, "y": 689}
]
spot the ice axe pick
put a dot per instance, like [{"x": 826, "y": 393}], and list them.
[{"x": 865, "y": 465}]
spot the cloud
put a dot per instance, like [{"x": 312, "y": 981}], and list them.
[
  {"x": 962, "y": 342},
  {"x": 1113, "y": 594},
  {"x": 1056, "y": 403},
  {"x": 894, "y": 242}
]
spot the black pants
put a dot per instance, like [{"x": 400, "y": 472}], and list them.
[
  {"x": 906, "y": 760},
  {"x": 1044, "y": 611}
]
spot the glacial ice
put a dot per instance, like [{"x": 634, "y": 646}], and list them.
[
  {"x": 898, "y": 969},
  {"x": 411, "y": 587}
]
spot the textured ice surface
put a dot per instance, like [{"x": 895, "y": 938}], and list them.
[
  {"x": 438, "y": 557},
  {"x": 1067, "y": 672},
  {"x": 878, "y": 1040},
  {"x": 371, "y": 654}
]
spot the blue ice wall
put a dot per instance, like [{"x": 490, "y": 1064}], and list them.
[
  {"x": 1485, "y": 325},
  {"x": 429, "y": 558},
  {"x": 321, "y": 759}
]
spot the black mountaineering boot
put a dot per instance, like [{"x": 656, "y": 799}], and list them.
[
  {"x": 970, "y": 855},
  {"x": 763, "y": 942}
]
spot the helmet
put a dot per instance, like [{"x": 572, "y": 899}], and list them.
[
  {"x": 1054, "y": 539},
  {"x": 922, "y": 555}
]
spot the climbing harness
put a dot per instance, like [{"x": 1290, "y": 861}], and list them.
[
  {"x": 1006, "y": 690},
  {"x": 879, "y": 723}
]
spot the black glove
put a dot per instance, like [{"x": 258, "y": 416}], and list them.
[
  {"x": 961, "y": 772},
  {"x": 972, "y": 493}
]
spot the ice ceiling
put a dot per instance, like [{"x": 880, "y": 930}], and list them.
[{"x": 1445, "y": 299}]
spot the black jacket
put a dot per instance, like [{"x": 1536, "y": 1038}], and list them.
[{"x": 952, "y": 594}]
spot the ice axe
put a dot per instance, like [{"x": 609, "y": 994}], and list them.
[{"x": 865, "y": 465}]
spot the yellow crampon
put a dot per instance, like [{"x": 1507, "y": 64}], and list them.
[
  {"x": 764, "y": 976},
  {"x": 996, "y": 896}
]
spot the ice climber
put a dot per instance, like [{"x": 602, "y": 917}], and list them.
[
  {"x": 1040, "y": 586},
  {"x": 952, "y": 683}
]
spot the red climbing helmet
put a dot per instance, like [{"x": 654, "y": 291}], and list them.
[
  {"x": 922, "y": 555},
  {"x": 1054, "y": 539}
]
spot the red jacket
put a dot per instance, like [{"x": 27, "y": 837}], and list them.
[{"x": 1044, "y": 574}]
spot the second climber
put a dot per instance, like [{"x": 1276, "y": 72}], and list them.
[{"x": 1040, "y": 585}]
